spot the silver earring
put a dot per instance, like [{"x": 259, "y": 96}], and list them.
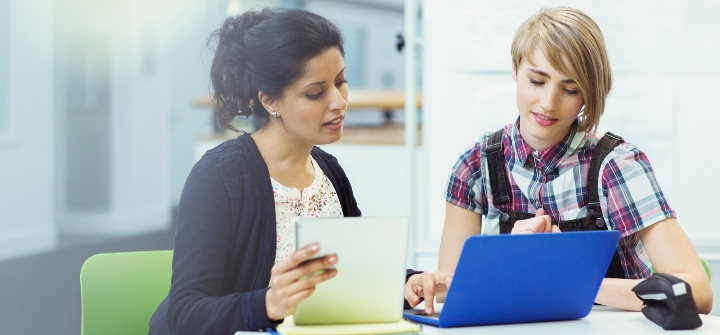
[{"x": 274, "y": 115}]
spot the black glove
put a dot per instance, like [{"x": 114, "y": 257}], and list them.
[{"x": 667, "y": 301}]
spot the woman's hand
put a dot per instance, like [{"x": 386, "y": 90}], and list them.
[
  {"x": 292, "y": 282},
  {"x": 426, "y": 285},
  {"x": 541, "y": 223}
]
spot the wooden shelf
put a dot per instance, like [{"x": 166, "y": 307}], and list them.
[
  {"x": 382, "y": 135},
  {"x": 390, "y": 134},
  {"x": 358, "y": 99}
]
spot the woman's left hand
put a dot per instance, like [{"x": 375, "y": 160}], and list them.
[{"x": 294, "y": 279}]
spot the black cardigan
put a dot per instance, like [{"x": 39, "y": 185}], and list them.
[{"x": 226, "y": 239}]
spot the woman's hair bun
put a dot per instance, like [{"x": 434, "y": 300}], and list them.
[{"x": 264, "y": 51}]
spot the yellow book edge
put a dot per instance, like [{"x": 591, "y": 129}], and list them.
[{"x": 402, "y": 326}]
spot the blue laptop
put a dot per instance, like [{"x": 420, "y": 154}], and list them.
[{"x": 503, "y": 279}]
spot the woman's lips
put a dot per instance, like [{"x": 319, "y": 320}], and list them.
[
  {"x": 335, "y": 124},
  {"x": 544, "y": 120}
]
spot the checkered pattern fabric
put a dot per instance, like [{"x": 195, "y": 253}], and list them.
[{"x": 556, "y": 180}]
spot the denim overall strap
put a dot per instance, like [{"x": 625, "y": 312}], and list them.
[
  {"x": 501, "y": 193},
  {"x": 604, "y": 147},
  {"x": 494, "y": 150}
]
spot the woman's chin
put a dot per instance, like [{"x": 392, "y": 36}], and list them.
[{"x": 331, "y": 138}]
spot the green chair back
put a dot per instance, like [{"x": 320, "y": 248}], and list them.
[
  {"x": 120, "y": 291},
  {"x": 705, "y": 266}
]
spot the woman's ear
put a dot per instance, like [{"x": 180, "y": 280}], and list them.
[
  {"x": 270, "y": 103},
  {"x": 514, "y": 72}
]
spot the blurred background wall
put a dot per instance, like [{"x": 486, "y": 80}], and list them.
[{"x": 27, "y": 121}]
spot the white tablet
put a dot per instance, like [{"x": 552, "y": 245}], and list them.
[{"x": 368, "y": 288}]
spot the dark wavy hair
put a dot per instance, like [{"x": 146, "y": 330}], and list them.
[{"x": 264, "y": 50}]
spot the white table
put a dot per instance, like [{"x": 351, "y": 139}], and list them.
[{"x": 602, "y": 320}]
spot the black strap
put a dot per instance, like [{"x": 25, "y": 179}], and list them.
[
  {"x": 494, "y": 150},
  {"x": 501, "y": 191},
  {"x": 499, "y": 183},
  {"x": 604, "y": 147}
]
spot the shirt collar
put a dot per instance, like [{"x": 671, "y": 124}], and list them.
[{"x": 547, "y": 159}]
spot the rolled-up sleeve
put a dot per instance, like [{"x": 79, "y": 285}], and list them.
[{"x": 632, "y": 196}]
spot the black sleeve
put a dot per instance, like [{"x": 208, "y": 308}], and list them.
[{"x": 202, "y": 244}]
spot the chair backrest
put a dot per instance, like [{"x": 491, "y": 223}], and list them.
[
  {"x": 707, "y": 268},
  {"x": 704, "y": 264},
  {"x": 120, "y": 291}
]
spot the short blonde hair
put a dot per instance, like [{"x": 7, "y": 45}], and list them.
[{"x": 569, "y": 34}]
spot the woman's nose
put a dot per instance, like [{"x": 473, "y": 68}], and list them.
[
  {"x": 338, "y": 100},
  {"x": 549, "y": 99}
]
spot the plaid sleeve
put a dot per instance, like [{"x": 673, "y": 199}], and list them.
[
  {"x": 634, "y": 199},
  {"x": 465, "y": 186}
]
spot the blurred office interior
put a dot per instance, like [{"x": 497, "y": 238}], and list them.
[{"x": 104, "y": 110}]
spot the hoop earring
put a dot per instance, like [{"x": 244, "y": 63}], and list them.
[{"x": 274, "y": 115}]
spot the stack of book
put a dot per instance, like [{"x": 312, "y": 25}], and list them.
[{"x": 400, "y": 327}]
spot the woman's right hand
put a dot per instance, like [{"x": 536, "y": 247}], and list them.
[
  {"x": 426, "y": 285},
  {"x": 292, "y": 282},
  {"x": 541, "y": 223}
]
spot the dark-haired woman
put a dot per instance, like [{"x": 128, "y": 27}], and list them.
[{"x": 235, "y": 266}]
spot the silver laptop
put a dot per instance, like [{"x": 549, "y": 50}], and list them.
[{"x": 368, "y": 288}]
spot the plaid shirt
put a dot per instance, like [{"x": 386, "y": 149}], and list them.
[{"x": 556, "y": 179}]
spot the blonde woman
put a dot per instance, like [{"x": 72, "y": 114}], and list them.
[{"x": 545, "y": 157}]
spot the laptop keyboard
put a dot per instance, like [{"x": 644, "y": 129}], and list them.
[{"x": 422, "y": 313}]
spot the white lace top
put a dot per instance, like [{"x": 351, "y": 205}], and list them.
[{"x": 317, "y": 200}]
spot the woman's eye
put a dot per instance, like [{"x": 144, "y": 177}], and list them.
[
  {"x": 314, "y": 96},
  {"x": 535, "y": 81},
  {"x": 340, "y": 83},
  {"x": 571, "y": 92}
]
